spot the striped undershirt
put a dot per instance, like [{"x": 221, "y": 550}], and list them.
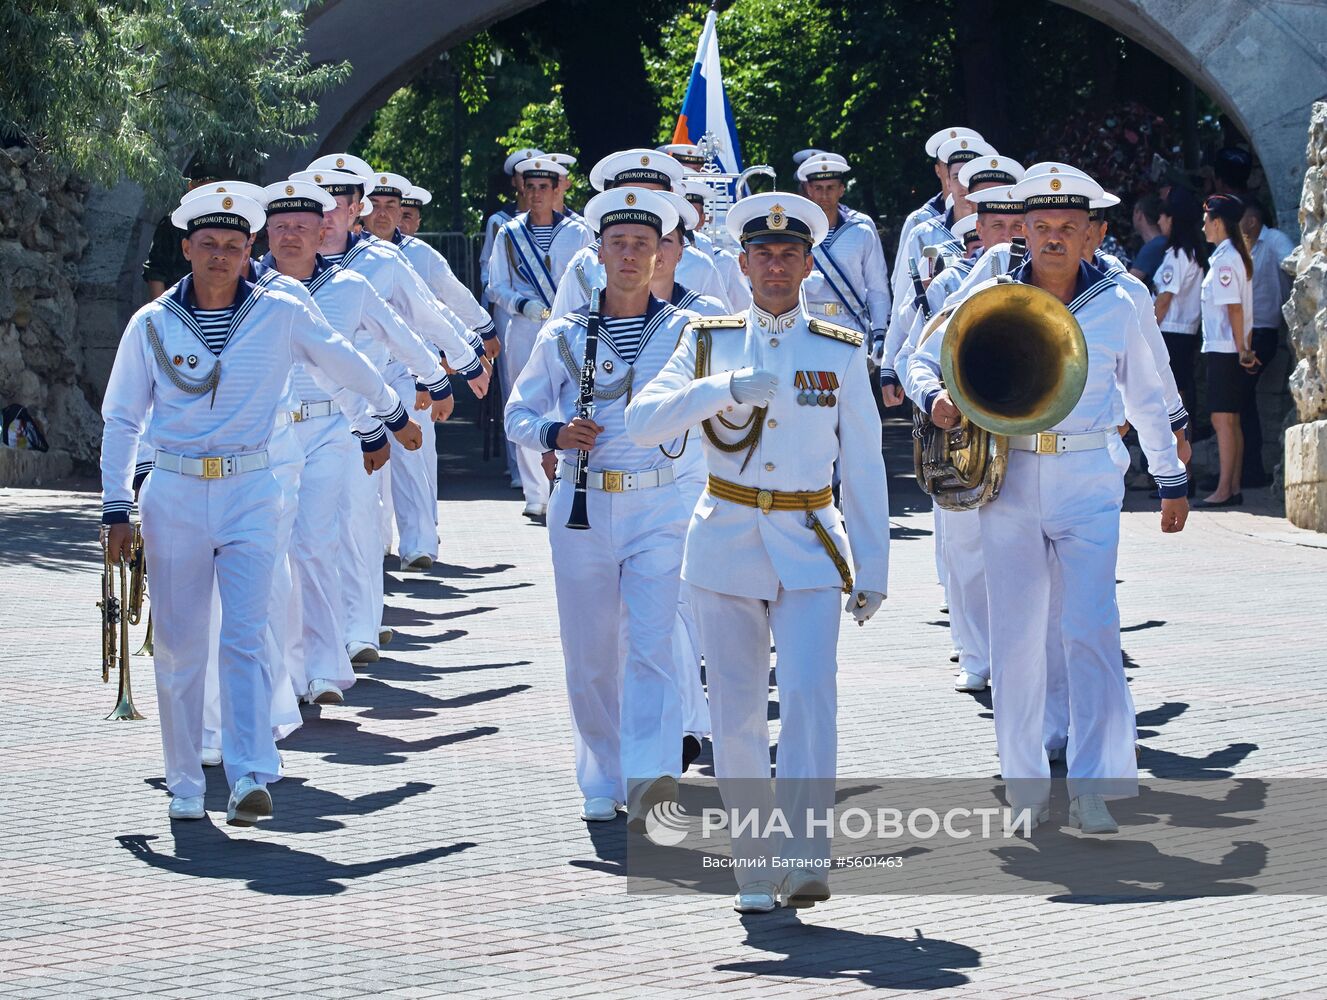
[
  {"x": 543, "y": 236},
  {"x": 623, "y": 334},
  {"x": 333, "y": 258},
  {"x": 832, "y": 231},
  {"x": 215, "y": 326}
]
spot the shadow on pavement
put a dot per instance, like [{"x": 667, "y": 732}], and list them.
[
  {"x": 344, "y": 741},
  {"x": 62, "y": 539}
]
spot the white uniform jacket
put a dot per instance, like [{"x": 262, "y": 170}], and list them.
[
  {"x": 1122, "y": 380},
  {"x": 849, "y": 285},
  {"x": 519, "y": 271},
  {"x": 696, "y": 270},
  {"x": 915, "y": 320},
  {"x": 737, "y": 290},
  {"x": 271, "y": 332},
  {"x": 495, "y": 222},
  {"x": 738, "y": 550},
  {"x": 932, "y": 232},
  {"x": 546, "y": 394},
  {"x": 923, "y": 213},
  {"x": 438, "y": 275}
]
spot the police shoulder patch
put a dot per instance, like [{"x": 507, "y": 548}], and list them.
[
  {"x": 835, "y": 332},
  {"x": 718, "y": 322}
]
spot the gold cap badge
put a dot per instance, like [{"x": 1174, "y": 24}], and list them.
[
  {"x": 644, "y": 161},
  {"x": 963, "y": 144},
  {"x": 227, "y": 202},
  {"x": 340, "y": 161},
  {"x": 777, "y": 218},
  {"x": 317, "y": 178},
  {"x": 383, "y": 180},
  {"x": 631, "y": 199},
  {"x": 290, "y": 189},
  {"x": 995, "y": 163},
  {"x": 1056, "y": 184},
  {"x": 1053, "y": 170}
]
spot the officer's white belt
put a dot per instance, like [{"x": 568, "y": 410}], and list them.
[
  {"x": 1047, "y": 443},
  {"x": 212, "y": 466},
  {"x": 613, "y": 481}
]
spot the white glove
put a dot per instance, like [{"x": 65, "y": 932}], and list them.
[
  {"x": 863, "y": 604},
  {"x": 753, "y": 386},
  {"x": 532, "y": 309}
]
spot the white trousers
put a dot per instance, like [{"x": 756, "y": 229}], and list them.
[
  {"x": 625, "y": 707},
  {"x": 1058, "y": 511},
  {"x": 195, "y": 530},
  {"x": 691, "y": 478},
  {"x": 430, "y": 450},
  {"x": 941, "y": 571},
  {"x": 521, "y": 334},
  {"x": 965, "y": 572},
  {"x": 735, "y": 632},
  {"x": 330, "y": 453},
  {"x": 414, "y": 504},
  {"x": 362, "y": 548},
  {"x": 386, "y": 510}
]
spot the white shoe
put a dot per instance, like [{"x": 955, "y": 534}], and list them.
[
  {"x": 970, "y": 682},
  {"x": 516, "y": 482},
  {"x": 421, "y": 563},
  {"x": 324, "y": 692},
  {"x": 599, "y": 809},
  {"x": 645, "y": 796},
  {"x": 1041, "y": 814},
  {"x": 1089, "y": 814},
  {"x": 186, "y": 807},
  {"x": 385, "y": 635},
  {"x": 534, "y": 511},
  {"x": 250, "y": 801},
  {"x": 756, "y": 897},
  {"x": 362, "y": 652},
  {"x": 211, "y": 756},
  {"x": 803, "y": 889}
]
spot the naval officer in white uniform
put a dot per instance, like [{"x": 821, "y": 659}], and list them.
[{"x": 783, "y": 398}]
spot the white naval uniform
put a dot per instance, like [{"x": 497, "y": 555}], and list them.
[
  {"x": 931, "y": 232},
  {"x": 390, "y": 273},
  {"x": 696, "y": 271},
  {"x": 1063, "y": 511},
  {"x": 519, "y": 271},
  {"x": 500, "y": 319},
  {"x": 625, "y": 704},
  {"x": 196, "y": 527},
  {"x": 849, "y": 285},
  {"x": 923, "y": 213},
  {"x": 737, "y": 290},
  {"x": 752, "y": 573}
]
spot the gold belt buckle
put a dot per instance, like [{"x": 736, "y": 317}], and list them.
[
  {"x": 612, "y": 482},
  {"x": 764, "y": 500},
  {"x": 297, "y": 415},
  {"x": 1048, "y": 444},
  {"x": 831, "y": 308},
  {"x": 212, "y": 468}
]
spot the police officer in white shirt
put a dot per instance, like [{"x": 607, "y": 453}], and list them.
[
  {"x": 1060, "y": 508},
  {"x": 782, "y": 398},
  {"x": 622, "y": 684},
  {"x": 849, "y": 285},
  {"x": 204, "y": 371},
  {"x": 529, "y": 255},
  {"x": 1178, "y": 283}
]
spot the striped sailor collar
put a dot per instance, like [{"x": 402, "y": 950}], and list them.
[
  {"x": 936, "y": 204},
  {"x": 322, "y": 270},
  {"x": 681, "y": 296},
  {"x": 180, "y": 300},
  {"x": 1090, "y": 282},
  {"x": 524, "y": 219},
  {"x": 655, "y": 311},
  {"x": 182, "y": 295},
  {"x": 398, "y": 237}
]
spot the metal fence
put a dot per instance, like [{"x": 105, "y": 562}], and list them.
[{"x": 462, "y": 253}]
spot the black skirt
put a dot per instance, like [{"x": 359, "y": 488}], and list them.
[{"x": 1228, "y": 383}]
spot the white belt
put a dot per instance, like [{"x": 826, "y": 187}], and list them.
[
  {"x": 212, "y": 467},
  {"x": 612, "y": 481},
  {"x": 1047, "y": 443},
  {"x": 826, "y": 308},
  {"x": 310, "y": 411}
]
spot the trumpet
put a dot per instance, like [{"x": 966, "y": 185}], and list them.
[{"x": 115, "y": 605}]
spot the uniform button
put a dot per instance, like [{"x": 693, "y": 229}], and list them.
[
  {"x": 769, "y": 466},
  {"x": 773, "y": 423},
  {"x": 774, "y": 342},
  {"x": 730, "y": 409}
]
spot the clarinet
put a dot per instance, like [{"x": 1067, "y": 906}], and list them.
[
  {"x": 579, "y": 519},
  {"x": 1018, "y": 249},
  {"x": 918, "y": 289}
]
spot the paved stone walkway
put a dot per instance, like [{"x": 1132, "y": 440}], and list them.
[{"x": 426, "y": 842}]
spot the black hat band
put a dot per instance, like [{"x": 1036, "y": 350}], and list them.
[
  {"x": 337, "y": 188},
  {"x": 759, "y": 230},
  {"x": 279, "y": 205},
  {"x": 986, "y": 176},
  {"x": 1000, "y": 208},
  {"x": 219, "y": 220},
  {"x": 962, "y": 156},
  {"x": 535, "y": 175},
  {"x": 1036, "y": 201},
  {"x": 690, "y": 159},
  {"x": 633, "y": 216},
  {"x": 642, "y": 175},
  {"x": 386, "y": 192},
  {"x": 412, "y": 203},
  {"x": 826, "y": 175}
]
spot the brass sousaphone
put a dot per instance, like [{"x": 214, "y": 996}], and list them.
[{"x": 1014, "y": 362}]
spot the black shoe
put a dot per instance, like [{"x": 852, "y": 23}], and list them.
[
  {"x": 1234, "y": 500},
  {"x": 691, "y": 747}
]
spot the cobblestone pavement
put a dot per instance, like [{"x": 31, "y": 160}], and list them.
[{"x": 427, "y": 841}]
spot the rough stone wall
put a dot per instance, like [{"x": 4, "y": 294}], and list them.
[
  {"x": 41, "y": 354},
  {"x": 1306, "y": 314}
]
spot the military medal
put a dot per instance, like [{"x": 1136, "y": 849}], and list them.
[
  {"x": 608, "y": 367},
  {"x": 193, "y": 361},
  {"x": 178, "y": 360}
]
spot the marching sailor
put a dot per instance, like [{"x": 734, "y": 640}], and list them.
[
  {"x": 653, "y": 171},
  {"x": 621, "y": 684},
  {"x": 205, "y": 369},
  {"x": 782, "y": 398},
  {"x": 693, "y": 162},
  {"x": 412, "y": 204},
  {"x": 1059, "y": 509},
  {"x": 564, "y": 185},
  {"x": 849, "y": 284},
  {"x": 530, "y": 253}
]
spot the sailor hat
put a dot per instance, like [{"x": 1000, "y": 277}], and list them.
[
  {"x": 296, "y": 196},
  {"x": 805, "y": 154},
  {"x": 509, "y": 164},
  {"x": 541, "y": 167},
  {"x": 965, "y": 227},
  {"x": 217, "y": 210},
  {"x": 631, "y": 206},
  {"x": 776, "y": 217},
  {"x": 1097, "y": 210},
  {"x": 686, "y": 153},
  {"x": 416, "y": 197},
  {"x": 636, "y": 166},
  {"x": 343, "y": 163},
  {"x": 996, "y": 201},
  {"x": 254, "y": 191},
  {"x": 687, "y": 214},
  {"x": 934, "y": 143},
  {"x": 564, "y": 159},
  {"x": 823, "y": 167},
  {"x": 1057, "y": 190},
  {"x": 963, "y": 148},
  {"x": 388, "y": 185},
  {"x": 990, "y": 170},
  {"x": 337, "y": 183}
]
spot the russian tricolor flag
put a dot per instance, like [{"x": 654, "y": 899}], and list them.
[{"x": 706, "y": 107}]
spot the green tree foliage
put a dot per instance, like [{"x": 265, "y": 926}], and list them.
[{"x": 131, "y": 88}]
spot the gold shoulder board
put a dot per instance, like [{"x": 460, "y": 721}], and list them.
[
  {"x": 718, "y": 322},
  {"x": 835, "y": 332}
]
